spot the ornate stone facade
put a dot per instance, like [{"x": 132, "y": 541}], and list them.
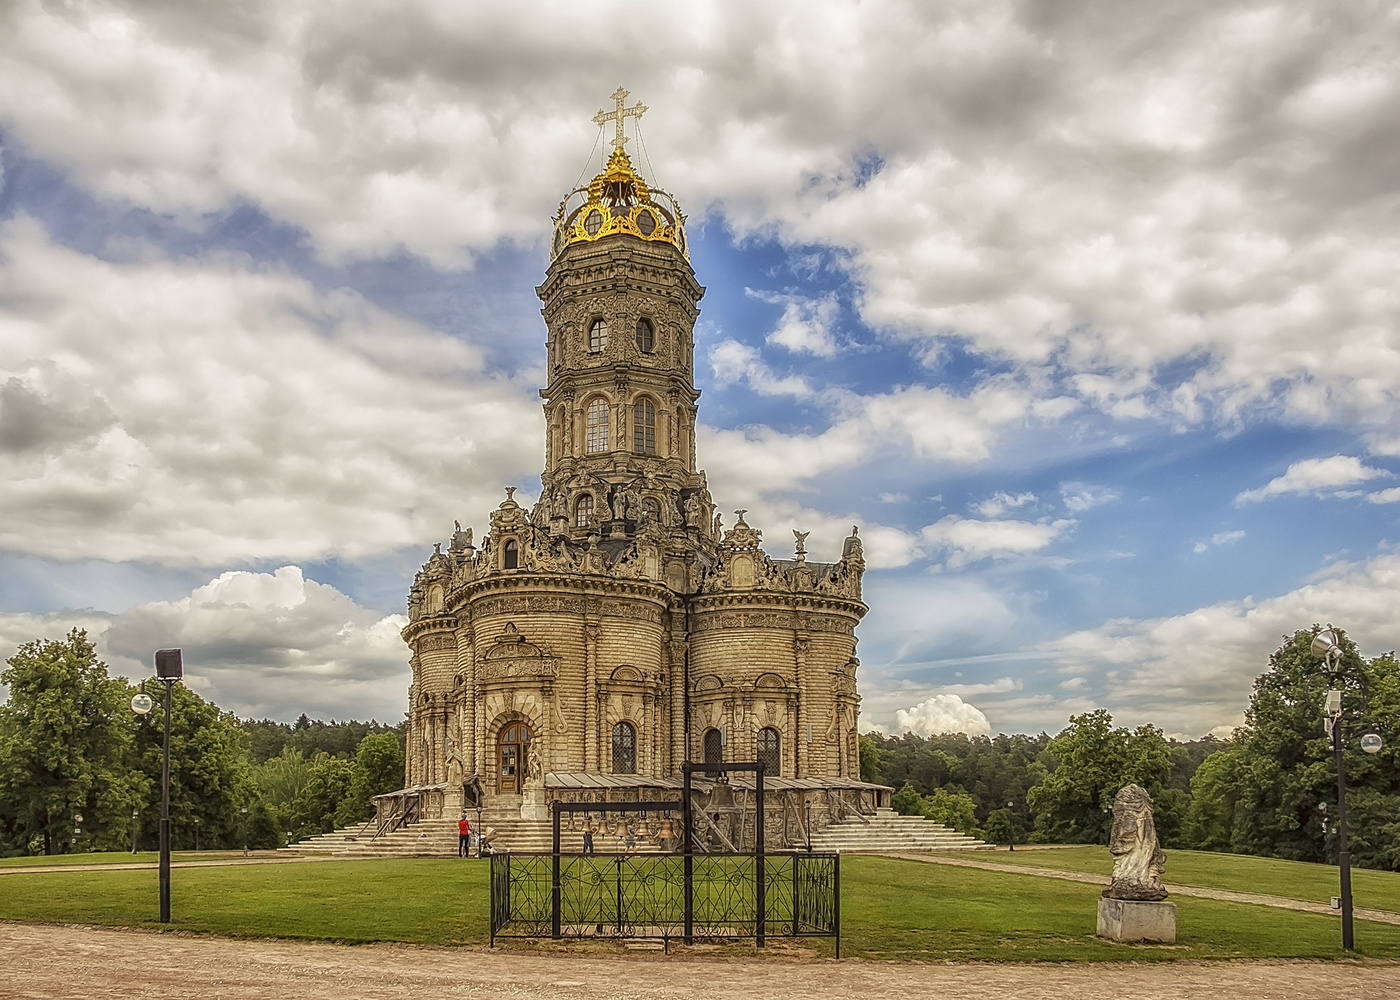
[{"x": 616, "y": 627}]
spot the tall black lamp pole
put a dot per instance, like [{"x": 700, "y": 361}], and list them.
[
  {"x": 1326, "y": 645},
  {"x": 168, "y": 671}
]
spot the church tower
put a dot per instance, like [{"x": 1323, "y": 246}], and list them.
[{"x": 615, "y": 630}]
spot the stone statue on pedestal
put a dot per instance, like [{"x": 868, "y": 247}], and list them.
[{"x": 1138, "y": 860}]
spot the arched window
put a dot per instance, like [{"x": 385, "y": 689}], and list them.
[
  {"x": 646, "y": 336},
  {"x": 651, "y": 509},
  {"x": 644, "y": 428},
  {"x": 624, "y": 749},
  {"x": 510, "y": 555},
  {"x": 770, "y": 752},
  {"x": 583, "y": 513},
  {"x": 597, "y": 426},
  {"x": 598, "y": 336},
  {"x": 714, "y": 747}
]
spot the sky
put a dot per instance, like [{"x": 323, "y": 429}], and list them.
[{"x": 1087, "y": 315}]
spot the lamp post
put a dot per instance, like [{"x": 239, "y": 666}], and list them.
[
  {"x": 135, "y": 813},
  {"x": 196, "y": 833},
  {"x": 168, "y": 670},
  {"x": 1326, "y": 645},
  {"x": 479, "y": 830},
  {"x": 1010, "y": 825},
  {"x": 245, "y": 831},
  {"x": 809, "y": 826},
  {"x": 77, "y": 830}
]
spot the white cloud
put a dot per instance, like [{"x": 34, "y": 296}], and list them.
[
  {"x": 1059, "y": 195},
  {"x": 1314, "y": 477},
  {"x": 807, "y": 325},
  {"x": 1219, "y": 538},
  {"x": 732, "y": 362},
  {"x": 206, "y": 414},
  {"x": 999, "y": 503},
  {"x": 943, "y": 713},
  {"x": 1193, "y": 672},
  {"x": 1079, "y": 497},
  {"x": 256, "y": 644},
  {"x": 967, "y": 540}
]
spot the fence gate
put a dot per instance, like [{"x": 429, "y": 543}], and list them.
[{"x": 684, "y": 895}]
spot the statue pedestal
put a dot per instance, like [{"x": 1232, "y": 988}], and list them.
[
  {"x": 1136, "y": 920},
  {"x": 532, "y": 802}
]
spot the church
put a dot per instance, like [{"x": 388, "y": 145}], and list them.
[{"x": 594, "y": 642}]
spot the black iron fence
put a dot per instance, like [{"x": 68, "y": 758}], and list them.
[{"x": 661, "y": 896}]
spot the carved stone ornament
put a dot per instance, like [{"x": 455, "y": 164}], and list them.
[{"x": 1138, "y": 860}]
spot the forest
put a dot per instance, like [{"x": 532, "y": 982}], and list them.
[{"x": 71, "y": 747}]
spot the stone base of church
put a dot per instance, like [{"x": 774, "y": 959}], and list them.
[
  {"x": 534, "y": 803},
  {"x": 1131, "y": 920}
]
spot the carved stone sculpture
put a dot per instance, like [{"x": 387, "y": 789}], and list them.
[{"x": 1138, "y": 860}]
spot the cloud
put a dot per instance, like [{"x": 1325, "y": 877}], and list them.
[
  {"x": 967, "y": 540},
  {"x": 1219, "y": 538},
  {"x": 208, "y": 413},
  {"x": 999, "y": 503},
  {"x": 943, "y": 713},
  {"x": 1314, "y": 477},
  {"x": 1104, "y": 204},
  {"x": 733, "y": 362},
  {"x": 257, "y": 644},
  {"x": 807, "y": 324},
  {"x": 1193, "y": 672},
  {"x": 1079, "y": 497}
]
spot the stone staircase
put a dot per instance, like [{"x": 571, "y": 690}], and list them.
[
  {"x": 886, "y": 832},
  {"x": 889, "y": 832}
]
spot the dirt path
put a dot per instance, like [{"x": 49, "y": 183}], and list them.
[
  {"x": 1228, "y": 895},
  {"x": 48, "y": 963}
]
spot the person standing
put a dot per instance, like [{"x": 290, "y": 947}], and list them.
[
  {"x": 587, "y": 841},
  {"x": 464, "y": 837},
  {"x": 629, "y": 842}
]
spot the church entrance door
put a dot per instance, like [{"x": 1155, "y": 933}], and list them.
[{"x": 513, "y": 755}]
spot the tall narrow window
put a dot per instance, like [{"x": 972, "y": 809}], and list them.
[
  {"x": 714, "y": 747},
  {"x": 583, "y": 513},
  {"x": 770, "y": 752},
  {"x": 624, "y": 749},
  {"x": 644, "y": 428},
  {"x": 598, "y": 336},
  {"x": 510, "y": 555},
  {"x": 646, "y": 336},
  {"x": 597, "y": 426}
]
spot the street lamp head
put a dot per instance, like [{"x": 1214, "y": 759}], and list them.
[
  {"x": 1372, "y": 743},
  {"x": 1325, "y": 642},
  {"x": 168, "y": 665},
  {"x": 141, "y": 703}
]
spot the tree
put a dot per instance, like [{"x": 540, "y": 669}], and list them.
[
  {"x": 210, "y": 775},
  {"x": 906, "y": 801},
  {"x": 328, "y": 782},
  {"x": 1265, "y": 793},
  {"x": 65, "y": 748},
  {"x": 378, "y": 769},
  {"x": 1093, "y": 761},
  {"x": 873, "y": 760},
  {"x": 952, "y": 808},
  {"x": 999, "y": 829}
]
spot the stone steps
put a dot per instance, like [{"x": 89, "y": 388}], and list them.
[{"x": 887, "y": 831}]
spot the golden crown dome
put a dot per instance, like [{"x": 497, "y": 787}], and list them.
[{"x": 618, "y": 202}]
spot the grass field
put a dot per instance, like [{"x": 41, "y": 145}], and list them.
[
  {"x": 1242, "y": 873},
  {"x": 106, "y": 858},
  {"x": 891, "y": 909}
]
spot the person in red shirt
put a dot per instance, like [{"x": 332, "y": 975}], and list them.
[{"x": 464, "y": 837}]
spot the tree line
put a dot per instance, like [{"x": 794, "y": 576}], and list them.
[
  {"x": 1269, "y": 790},
  {"x": 79, "y": 771}
]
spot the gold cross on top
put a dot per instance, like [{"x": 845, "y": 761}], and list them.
[{"x": 618, "y": 114}]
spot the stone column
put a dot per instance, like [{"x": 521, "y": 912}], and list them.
[
  {"x": 678, "y": 751},
  {"x": 466, "y": 667},
  {"x": 799, "y": 745},
  {"x": 590, "y": 695}
]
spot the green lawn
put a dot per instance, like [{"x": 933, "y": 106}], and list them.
[
  {"x": 891, "y": 909},
  {"x": 105, "y": 858},
  {"x": 1240, "y": 872}
]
